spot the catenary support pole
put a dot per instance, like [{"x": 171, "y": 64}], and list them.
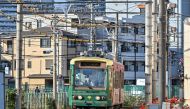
[
  {"x": 148, "y": 53},
  {"x": 54, "y": 60},
  {"x": 19, "y": 56},
  {"x": 162, "y": 52},
  {"x": 115, "y": 39},
  {"x": 154, "y": 49}
]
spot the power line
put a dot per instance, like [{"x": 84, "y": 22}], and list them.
[{"x": 77, "y": 2}]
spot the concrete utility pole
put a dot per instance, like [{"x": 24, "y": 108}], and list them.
[
  {"x": 115, "y": 39},
  {"x": 19, "y": 55},
  {"x": 148, "y": 53},
  {"x": 162, "y": 51},
  {"x": 91, "y": 29},
  {"x": 154, "y": 49},
  {"x": 55, "y": 59}
]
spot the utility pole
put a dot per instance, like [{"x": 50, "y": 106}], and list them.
[
  {"x": 91, "y": 28},
  {"x": 115, "y": 39},
  {"x": 55, "y": 59},
  {"x": 19, "y": 55},
  {"x": 162, "y": 51},
  {"x": 154, "y": 49},
  {"x": 135, "y": 46},
  {"x": 148, "y": 53}
]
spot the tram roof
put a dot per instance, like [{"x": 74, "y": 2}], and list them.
[{"x": 95, "y": 59}]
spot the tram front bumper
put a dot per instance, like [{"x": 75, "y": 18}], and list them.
[{"x": 90, "y": 103}]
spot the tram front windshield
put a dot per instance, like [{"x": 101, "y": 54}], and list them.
[{"x": 90, "y": 78}]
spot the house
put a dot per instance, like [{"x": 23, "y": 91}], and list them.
[{"x": 37, "y": 56}]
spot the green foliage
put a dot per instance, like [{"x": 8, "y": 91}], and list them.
[
  {"x": 133, "y": 101},
  {"x": 10, "y": 98},
  {"x": 23, "y": 104},
  {"x": 51, "y": 104}
]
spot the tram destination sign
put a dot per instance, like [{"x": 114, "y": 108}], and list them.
[{"x": 95, "y": 64}]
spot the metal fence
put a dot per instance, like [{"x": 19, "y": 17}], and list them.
[
  {"x": 175, "y": 90},
  {"x": 42, "y": 100},
  {"x": 134, "y": 90}
]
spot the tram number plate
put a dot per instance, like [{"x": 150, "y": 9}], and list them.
[{"x": 88, "y": 102}]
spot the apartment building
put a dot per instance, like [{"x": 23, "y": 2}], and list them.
[
  {"x": 37, "y": 56},
  {"x": 8, "y": 25},
  {"x": 131, "y": 45},
  {"x": 132, "y": 39}
]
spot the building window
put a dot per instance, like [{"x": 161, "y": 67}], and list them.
[
  {"x": 39, "y": 23},
  {"x": 74, "y": 22},
  {"x": 126, "y": 47},
  {"x": 141, "y": 48},
  {"x": 9, "y": 47},
  {"x": 29, "y": 64},
  {"x": 5, "y": 66},
  {"x": 28, "y": 25},
  {"x": 29, "y": 42},
  {"x": 129, "y": 65},
  {"x": 48, "y": 63},
  {"x": 141, "y": 31},
  {"x": 142, "y": 11},
  {"x": 71, "y": 43},
  {"x": 68, "y": 64},
  {"x": 124, "y": 29},
  {"x": 45, "y": 42},
  {"x": 141, "y": 66},
  {"x": 129, "y": 82}
]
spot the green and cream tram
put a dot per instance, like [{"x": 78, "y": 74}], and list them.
[{"x": 96, "y": 83}]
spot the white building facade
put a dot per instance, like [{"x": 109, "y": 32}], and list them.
[{"x": 132, "y": 41}]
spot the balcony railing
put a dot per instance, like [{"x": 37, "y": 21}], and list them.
[{"x": 131, "y": 37}]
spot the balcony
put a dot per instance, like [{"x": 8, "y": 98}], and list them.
[
  {"x": 130, "y": 75},
  {"x": 130, "y": 56},
  {"x": 7, "y": 24},
  {"x": 128, "y": 37},
  {"x": 8, "y": 9}
]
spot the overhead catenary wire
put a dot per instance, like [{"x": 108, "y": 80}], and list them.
[
  {"x": 42, "y": 33},
  {"x": 66, "y": 21},
  {"x": 75, "y": 2},
  {"x": 30, "y": 9}
]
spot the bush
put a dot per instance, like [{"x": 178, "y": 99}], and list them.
[
  {"x": 133, "y": 101},
  {"x": 51, "y": 104},
  {"x": 10, "y": 98}
]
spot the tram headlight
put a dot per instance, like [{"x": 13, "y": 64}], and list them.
[
  {"x": 97, "y": 98},
  {"x": 80, "y": 97}
]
